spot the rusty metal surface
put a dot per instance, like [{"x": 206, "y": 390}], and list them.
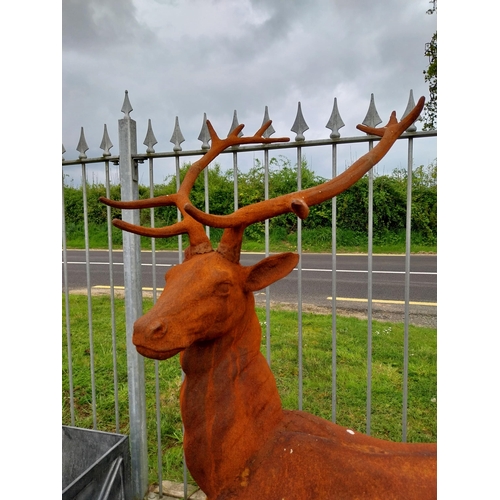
[{"x": 239, "y": 442}]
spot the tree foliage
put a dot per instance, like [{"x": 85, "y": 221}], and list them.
[
  {"x": 430, "y": 76},
  {"x": 389, "y": 200}
]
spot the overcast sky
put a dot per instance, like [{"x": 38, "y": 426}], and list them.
[{"x": 186, "y": 58}]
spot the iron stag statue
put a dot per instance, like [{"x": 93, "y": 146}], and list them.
[{"x": 239, "y": 442}]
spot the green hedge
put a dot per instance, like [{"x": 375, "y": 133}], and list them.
[{"x": 389, "y": 202}]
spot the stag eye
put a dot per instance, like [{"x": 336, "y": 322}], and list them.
[{"x": 223, "y": 288}]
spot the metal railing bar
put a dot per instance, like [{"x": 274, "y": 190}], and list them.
[
  {"x": 266, "y": 250},
  {"x": 84, "y": 161},
  {"x": 152, "y": 223},
  {"x": 156, "y": 362},
  {"x": 89, "y": 293},
  {"x": 179, "y": 215},
  {"x": 334, "y": 289},
  {"x": 235, "y": 175},
  {"x": 407, "y": 289},
  {"x": 66, "y": 305},
  {"x": 180, "y": 255},
  {"x": 299, "y": 278},
  {"x": 259, "y": 147},
  {"x": 370, "y": 300},
  {"x": 207, "y": 200},
  {"x": 280, "y": 145},
  {"x": 112, "y": 299}
]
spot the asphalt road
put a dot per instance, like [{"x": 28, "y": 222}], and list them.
[{"x": 388, "y": 277}]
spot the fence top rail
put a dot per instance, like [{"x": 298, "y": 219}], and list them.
[
  {"x": 258, "y": 147},
  {"x": 101, "y": 159}
]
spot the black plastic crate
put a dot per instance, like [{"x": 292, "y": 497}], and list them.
[{"x": 95, "y": 465}]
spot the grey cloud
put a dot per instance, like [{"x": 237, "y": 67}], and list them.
[
  {"x": 94, "y": 24},
  {"x": 186, "y": 58}
]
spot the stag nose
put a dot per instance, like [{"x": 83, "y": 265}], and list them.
[{"x": 157, "y": 330}]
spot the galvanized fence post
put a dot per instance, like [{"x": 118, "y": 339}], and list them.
[{"x": 129, "y": 181}]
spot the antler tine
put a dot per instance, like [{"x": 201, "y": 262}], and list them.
[
  {"x": 153, "y": 232},
  {"x": 236, "y": 130},
  {"x": 159, "y": 201},
  {"x": 199, "y": 241},
  {"x": 218, "y": 145},
  {"x": 232, "y": 139},
  {"x": 300, "y": 201},
  {"x": 264, "y": 127},
  {"x": 406, "y": 122}
]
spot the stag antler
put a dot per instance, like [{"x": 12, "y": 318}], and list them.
[
  {"x": 235, "y": 223},
  {"x": 198, "y": 240},
  {"x": 300, "y": 201}
]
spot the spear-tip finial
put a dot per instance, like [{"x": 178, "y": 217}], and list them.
[
  {"x": 269, "y": 130},
  {"x": 150, "y": 139},
  {"x": 234, "y": 124},
  {"x": 299, "y": 125},
  {"x": 335, "y": 122},
  {"x": 106, "y": 144},
  {"x": 82, "y": 145},
  {"x": 372, "y": 118},
  {"x": 127, "y": 107},
  {"x": 204, "y": 136},
  {"x": 409, "y": 107},
  {"x": 177, "y": 137}
]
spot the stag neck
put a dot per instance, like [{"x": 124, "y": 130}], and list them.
[
  {"x": 201, "y": 248},
  {"x": 229, "y": 403},
  {"x": 206, "y": 356}
]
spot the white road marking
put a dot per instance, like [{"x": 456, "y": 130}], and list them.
[
  {"x": 120, "y": 264},
  {"x": 365, "y": 271},
  {"x": 303, "y": 269}
]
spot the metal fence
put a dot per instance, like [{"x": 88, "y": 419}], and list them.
[{"x": 130, "y": 161}]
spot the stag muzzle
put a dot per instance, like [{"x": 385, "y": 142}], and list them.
[{"x": 151, "y": 338}]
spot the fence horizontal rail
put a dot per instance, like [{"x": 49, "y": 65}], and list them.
[{"x": 260, "y": 147}]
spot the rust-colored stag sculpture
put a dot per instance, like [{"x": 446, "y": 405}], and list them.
[{"x": 239, "y": 442}]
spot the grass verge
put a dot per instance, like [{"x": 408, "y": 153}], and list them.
[
  {"x": 387, "y": 376},
  {"x": 313, "y": 240}
]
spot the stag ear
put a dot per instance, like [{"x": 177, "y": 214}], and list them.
[{"x": 269, "y": 270}]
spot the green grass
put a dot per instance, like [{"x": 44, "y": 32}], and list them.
[
  {"x": 387, "y": 376},
  {"x": 313, "y": 240}
]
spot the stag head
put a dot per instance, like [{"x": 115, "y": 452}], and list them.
[{"x": 206, "y": 295}]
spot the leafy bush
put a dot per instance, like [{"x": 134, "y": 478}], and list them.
[{"x": 389, "y": 205}]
